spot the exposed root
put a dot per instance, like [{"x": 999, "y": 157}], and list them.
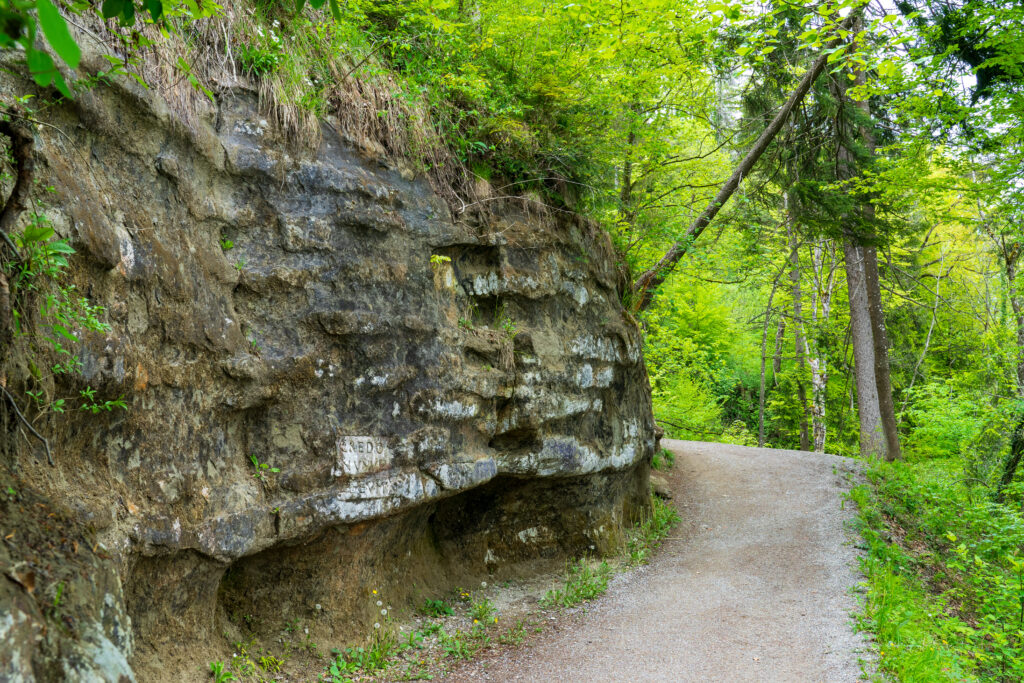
[{"x": 28, "y": 425}]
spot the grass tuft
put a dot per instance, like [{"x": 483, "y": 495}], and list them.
[{"x": 582, "y": 582}]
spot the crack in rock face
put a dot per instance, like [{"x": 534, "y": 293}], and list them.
[{"x": 330, "y": 386}]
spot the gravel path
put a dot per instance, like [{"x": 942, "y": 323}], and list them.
[{"x": 753, "y": 586}]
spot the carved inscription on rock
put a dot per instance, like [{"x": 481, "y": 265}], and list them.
[{"x": 362, "y": 455}]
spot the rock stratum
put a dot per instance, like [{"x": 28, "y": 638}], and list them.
[{"x": 436, "y": 400}]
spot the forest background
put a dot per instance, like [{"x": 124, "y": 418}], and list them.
[{"x": 906, "y": 151}]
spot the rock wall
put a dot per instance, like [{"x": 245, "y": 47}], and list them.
[{"x": 434, "y": 399}]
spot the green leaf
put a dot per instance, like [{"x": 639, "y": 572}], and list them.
[
  {"x": 155, "y": 8},
  {"x": 336, "y": 11},
  {"x": 56, "y": 31},
  {"x": 36, "y": 233},
  {"x": 128, "y": 14},
  {"x": 62, "y": 85},
  {"x": 41, "y": 66},
  {"x": 64, "y": 332},
  {"x": 60, "y": 247},
  {"x": 316, "y": 4},
  {"x": 112, "y": 8}
]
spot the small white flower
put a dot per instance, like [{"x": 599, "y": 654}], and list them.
[
  {"x": 318, "y": 607},
  {"x": 383, "y": 612},
  {"x": 376, "y": 624},
  {"x": 483, "y": 584},
  {"x": 379, "y": 603}
]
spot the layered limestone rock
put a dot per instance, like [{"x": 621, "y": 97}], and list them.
[{"x": 433, "y": 398}]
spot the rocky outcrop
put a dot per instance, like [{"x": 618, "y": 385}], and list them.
[{"x": 433, "y": 399}]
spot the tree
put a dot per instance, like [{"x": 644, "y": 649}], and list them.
[{"x": 832, "y": 49}]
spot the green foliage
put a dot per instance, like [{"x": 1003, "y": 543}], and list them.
[
  {"x": 648, "y": 535},
  {"x": 664, "y": 460},
  {"x": 89, "y": 402},
  {"x": 462, "y": 644},
  {"x": 220, "y": 674},
  {"x": 262, "y": 468},
  {"x": 21, "y": 21},
  {"x": 943, "y": 421},
  {"x": 436, "y": 608},
  {"x": 483, "y": 612},
  {"x": 362, "y": 660},
  {"x": 582, "y": 582},
  {"x": 700, "y": 363},
  {"x": 515, "y": 635},
  {"x": 51, "y": 334},
  {"x": 945, "y": 573}
]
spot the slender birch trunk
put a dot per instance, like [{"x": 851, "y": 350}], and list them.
[
  {"x": 799, "y": 338},
  {"x": 821, "y": 310}
]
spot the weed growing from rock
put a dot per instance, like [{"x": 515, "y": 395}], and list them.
[{"x": 261, "y": 468}]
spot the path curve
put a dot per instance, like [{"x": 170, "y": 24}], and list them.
[{"x": 755, "y": 585}]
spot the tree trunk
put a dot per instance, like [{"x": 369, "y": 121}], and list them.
[
  {"x": 764, "y": 349},
  {"x": 883, "y": 383},
  {"x": 1010, "y": 262},
  {"x": 799, "y": 342},
  {"x": 872, "y": 441},
  {"x": 1010, "y": 466},
  {"x": 881, "y": 343},
  {"x": 780, "y": 334},
  {"x": 817, "y": 357},
  {"x": 859, "y": 230}
]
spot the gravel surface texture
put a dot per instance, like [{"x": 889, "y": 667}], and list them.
[{"x": 754, "y": 585}]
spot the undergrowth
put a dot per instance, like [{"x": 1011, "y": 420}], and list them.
[
  {"x": 945, "y": 574},
  {"x": 416, "y": 81}
]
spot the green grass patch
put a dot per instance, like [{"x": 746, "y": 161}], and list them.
[
  {"x": 648, "y": 535},
  {"x": 664, "y": 460},
  {"x": 583, "y": 581}
]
